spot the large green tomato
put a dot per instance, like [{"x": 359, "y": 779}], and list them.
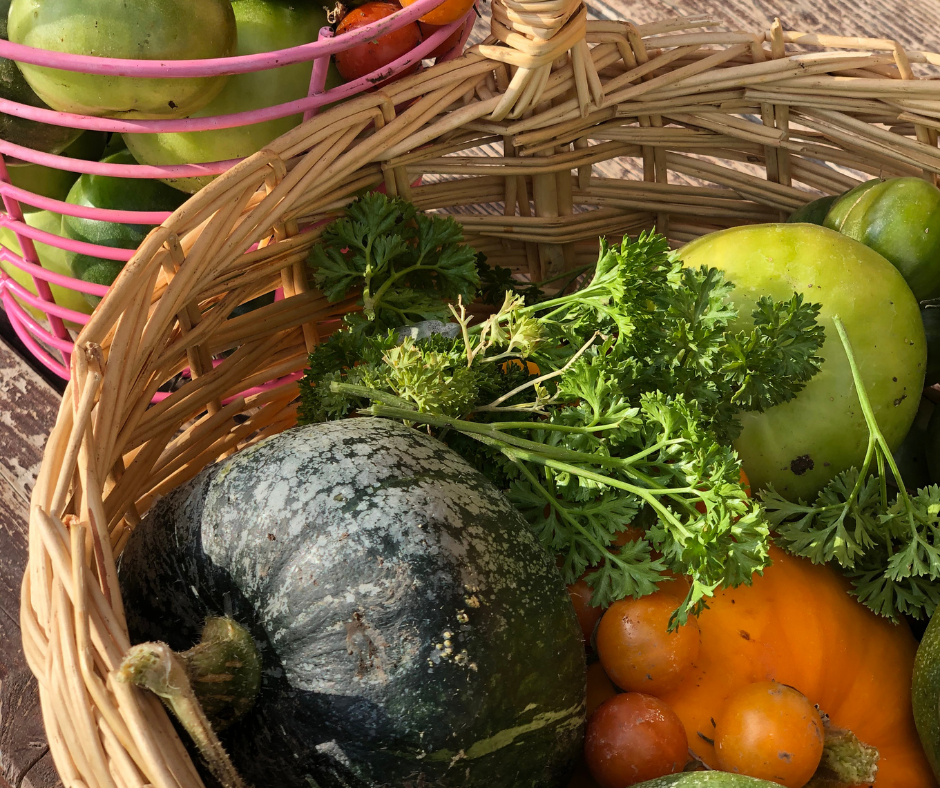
[
  {"x": 899, "y": 219},
  {"x": 13, "y": 86},
  {"x": 263, "y": 26},
  {"x": 139, "y": 29},
  {"x": 52, "y": 259},
  {"x": 126, "y": 194},
  {"x": 51, "y": 181},
  {"x": 800, "y": 445}
]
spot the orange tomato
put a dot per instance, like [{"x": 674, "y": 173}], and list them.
[
  {"x": 799, "y": 625},
  {"x": 600, "y": 688},
  {"x": 588, "y": 615},
  {"x": 448, "y": 44},
  {"x": 449, "y": 11},
  {"x": 372, "y": 55},
  {"x": 770, "y": 731},
  {"x": 636, "y": 648}
]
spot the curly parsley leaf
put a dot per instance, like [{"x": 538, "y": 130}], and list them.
[
  {"x": 888, "y": 547},
  {"x": 407, "y": 264}
]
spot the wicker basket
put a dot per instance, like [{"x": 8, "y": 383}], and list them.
[{"x": 766, "y": 120}]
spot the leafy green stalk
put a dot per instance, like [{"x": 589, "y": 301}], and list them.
[
  {"x": 890, "y": 548},
  {"x": 611, "y": 405}
]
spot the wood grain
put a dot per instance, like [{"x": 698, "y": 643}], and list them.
[{"x": 28, "y": 407}]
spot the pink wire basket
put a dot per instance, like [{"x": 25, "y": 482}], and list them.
[{"x": 50, "y": 339}]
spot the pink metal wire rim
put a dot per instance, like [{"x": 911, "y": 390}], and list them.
[
  {"x": 79, "y": 247},
  {"x": 16, "y": 314},
  {"x": 215, "y": 122},
  {"x": 38, "y": 272},
  {"x": 82, "y": 211},
  {"x": 209, "y": 67},
  {"x": 37, "y": 330},
  {"x": 48, "y": 307}
]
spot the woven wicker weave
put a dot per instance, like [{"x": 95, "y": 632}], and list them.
[{"x": 765, "y": 120}]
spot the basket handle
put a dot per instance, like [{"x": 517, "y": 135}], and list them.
[{"x": 532, "y": 36}]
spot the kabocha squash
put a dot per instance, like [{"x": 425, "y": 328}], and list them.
[
  {"x": 798, "y": 625},
  {"x": 410, "y": 626}
]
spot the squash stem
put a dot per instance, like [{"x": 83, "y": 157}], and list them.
[
  {"x": 845, "y": 760},
  {"x": 218, "y": 678}
]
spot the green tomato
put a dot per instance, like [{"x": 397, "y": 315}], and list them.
[
  {"x": 20, "y": 131},
  {"x": 51, "y": 181},
  {"x": 813, "y": 212},
  {"x": 800, "y": 445},
  {"x": 152, "y": 30},
  {"x": 127, "y": 194},
  {"x": 930, "y": 314},
  {"x": 263, "y": 26},
  {"x": 52, "y": 259},
  {"x": 899, "y": 219}
]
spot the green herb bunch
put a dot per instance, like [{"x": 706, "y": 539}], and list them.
[
  {"x": 888, "y": 546},
  {"x": 611, "y": 405}
]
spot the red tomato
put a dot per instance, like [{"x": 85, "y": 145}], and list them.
[
  {"x": 372, "y": 55},
  {"x": 633, "y": 738},
  {"x": 587, "y": 614},
  {"x": 770, "y": 731},
  {"x": 447, "y": 12},
  {"x": 442, "y": 49},
  {"x": 636, "y": 648}
]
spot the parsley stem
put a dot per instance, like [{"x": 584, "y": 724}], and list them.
[
  {"x": 884, "y": 455},
  {"x": 563, "y": 512},
  {"x": 547, "y": 375},
  {"x": 541, "y": 454},
  {"x": 370, "y": 394}
]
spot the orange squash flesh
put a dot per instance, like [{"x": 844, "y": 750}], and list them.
[{"x": 799, "y": 626}]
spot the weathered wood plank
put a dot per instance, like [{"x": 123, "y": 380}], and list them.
[
  {"x": 22, "y": 739},
  {"x": 28, "y": 407}
]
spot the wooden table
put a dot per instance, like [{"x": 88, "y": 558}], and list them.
[
  {"x": 28, "y": 406},
  {"x": 28, "y": 402}
]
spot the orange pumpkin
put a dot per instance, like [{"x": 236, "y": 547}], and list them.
[{"x": 799, "y": 626}]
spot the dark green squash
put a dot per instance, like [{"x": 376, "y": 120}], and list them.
[{"x": 411, "y": 628}]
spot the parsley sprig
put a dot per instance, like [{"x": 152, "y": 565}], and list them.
[
  {"x": 611, "y": 405},
  {"x": 406, "y": 263},
  {"x": 888, "y": 547}
]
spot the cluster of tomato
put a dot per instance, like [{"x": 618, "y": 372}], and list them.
[
  {"x": 377, "y": 53},
  {"x": 766, "y": 730}
]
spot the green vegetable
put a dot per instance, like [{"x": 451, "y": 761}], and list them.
[
  {"x": 103, "y": 191},
  {"x": 633, "y": 410},
  {"x": 925, "y": 693},
  {"x": 707, "y": 780},
  {"x": 263, "y": 26},
  {"x": 930, "y": 314},
  {"x": 900, "y": 219},
  {"x": 20, "y": 131},
  {"x": 813, "y": 212},
  {"x": 888, "y": 547},
  {"x": 402, "y": 612},
  {"x": 801, "y": 445},
  {"x": 153, "y": 30},
  {"x": 51, "y": 181}
]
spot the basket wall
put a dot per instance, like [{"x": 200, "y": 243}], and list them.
[{"x": 726, "y": 128}]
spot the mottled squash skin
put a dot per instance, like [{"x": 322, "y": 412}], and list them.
[{"x": 413, "y": 630}]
